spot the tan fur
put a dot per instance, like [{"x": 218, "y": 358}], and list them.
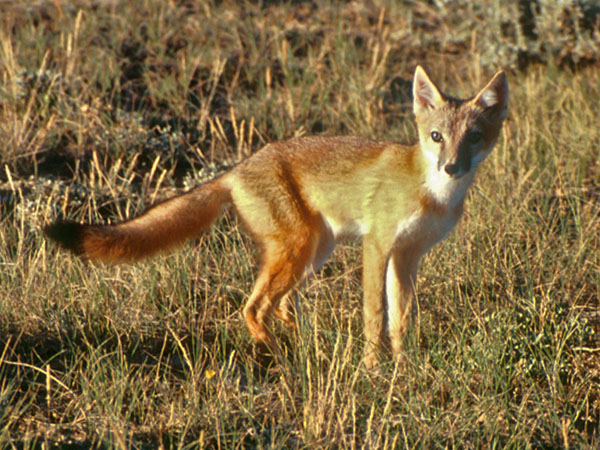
[{"x": 299, "y": 198}]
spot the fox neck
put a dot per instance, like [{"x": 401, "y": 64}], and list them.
[{"x": 444, "y": 189}]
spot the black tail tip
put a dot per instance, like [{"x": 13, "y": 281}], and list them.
[{"x": 68, "y": 235}]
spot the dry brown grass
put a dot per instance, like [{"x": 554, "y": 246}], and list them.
[{"x": 107, "y": 107}]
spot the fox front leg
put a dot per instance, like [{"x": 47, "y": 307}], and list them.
[
  {"x": 373, "y": 311},
  {"x": 400, "y": 284}
]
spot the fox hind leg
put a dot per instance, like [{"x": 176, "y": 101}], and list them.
[
  {"x": 283, "y": 267},
  {"x": 287, "y": 311}
]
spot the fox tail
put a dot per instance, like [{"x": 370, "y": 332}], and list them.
[{"x": 161, "y": 227}]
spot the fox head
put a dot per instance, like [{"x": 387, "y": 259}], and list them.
[{"x": 456, "y": 135}]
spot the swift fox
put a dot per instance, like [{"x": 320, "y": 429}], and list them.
[{"x": 299, "y": 198}]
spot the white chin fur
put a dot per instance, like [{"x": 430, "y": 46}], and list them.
[
  {"x": 446, "y": 189},
  {"x": 479, "y": 157}
]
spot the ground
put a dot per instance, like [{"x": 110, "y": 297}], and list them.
[{"x": 110, "y": 106}]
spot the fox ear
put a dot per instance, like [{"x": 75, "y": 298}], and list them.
[
  {"x": 425, "y": 94},
  {"x": 494, "y": 96}
]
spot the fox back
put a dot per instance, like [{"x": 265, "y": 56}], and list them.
[{"x": 299, "y": 198}]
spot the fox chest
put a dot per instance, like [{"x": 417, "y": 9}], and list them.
[{"x": 424, "y": 228}]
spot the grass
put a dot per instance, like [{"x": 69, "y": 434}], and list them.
[{"x": 108, "y": 107}]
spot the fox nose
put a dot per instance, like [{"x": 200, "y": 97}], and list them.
[{"x": 451, "y": 169}]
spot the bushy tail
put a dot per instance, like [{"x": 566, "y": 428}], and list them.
[{"x": 161, "y": 227}]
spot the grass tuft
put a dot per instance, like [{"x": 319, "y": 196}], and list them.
[{"x": 108, "y": 107}]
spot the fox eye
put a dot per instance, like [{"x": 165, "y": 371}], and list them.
[
  {"x": 436, "y": 136},
  {"x": 475, "y": 136}
]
